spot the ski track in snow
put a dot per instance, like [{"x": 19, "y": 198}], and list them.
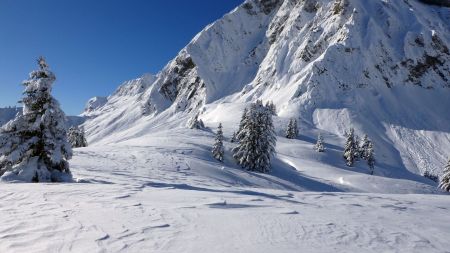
[{"x": 132, "y": 199}]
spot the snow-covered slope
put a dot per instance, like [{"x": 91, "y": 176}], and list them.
[
  {"x": 382, "y": 67},
  {"x": 117, "y": 112},
  {"x": 147, "y": 197}
]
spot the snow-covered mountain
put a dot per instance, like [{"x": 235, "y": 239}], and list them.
[
  {"x": 381, "y": 66},
  {"x": 8, "y": 113}
]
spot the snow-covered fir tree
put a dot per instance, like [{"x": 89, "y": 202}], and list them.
[
  {"x": 34, "y": 146},
  {"x": 271, "y": 107},
  {"x": 370, "y": 157},
  {"x": 195, "y": 123},
  {"x": 444, "y": 183},
  {"x": 357, "y": 148},
  {"x": 76, "y": 137},
  {"x": 363, "y": 147},
  {"x": 234, "y": 137},
  {"x": 350, "y": 149},
  {"x": 292, "y": 129},
  {"x": 218, "y": 150},
  {"x": 319, "y": 147},
  {"x": 257, "y": 140},
  {"x": 242, "y": 123}
]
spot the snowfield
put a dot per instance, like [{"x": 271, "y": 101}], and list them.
[
  {"x": 159, "y": 194},
  {"x": 158, "y": 217}
]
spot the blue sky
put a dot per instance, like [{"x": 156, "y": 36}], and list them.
[{"x": 94, "y": 45}]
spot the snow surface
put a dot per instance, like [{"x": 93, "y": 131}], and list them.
[{"x": 159, "y": 194}]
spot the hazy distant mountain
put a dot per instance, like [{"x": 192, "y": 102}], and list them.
[{"x": 8, "y": 113}]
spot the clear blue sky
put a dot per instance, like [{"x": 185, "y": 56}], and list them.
[{"x": 94, "y": 45}]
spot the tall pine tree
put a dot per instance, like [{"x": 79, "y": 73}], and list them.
[
  {"x": 370, "y": 157},
  {"x": 34, "y": 146},
  {"x": 357, "y": 148},
  {"x": 444, "y": 183},
  {"x": 364, "y": 146},
  {"x": 350, "y": 149},
  {"x": 218, "y": 150},
  {"x": 244, "y": 119},
  {"x": 292, "y": 129},
  {"x": 234, "y": 137},
  {"x": 272, "y": 108},
  {"x": 257, "y": 140}
]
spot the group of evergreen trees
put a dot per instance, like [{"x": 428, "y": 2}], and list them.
[
  {"x": 256, "y": 143},
  {"x": 271, "y": 107},
  {"x": 292, "y": 129},
  {"x": 355, "y": 150},
  {"x": 76, "y": 137},
  {"x": 292, "y": 133},
  {"x": 255, "y": 138},
  {"x": 251, "y": 142}
]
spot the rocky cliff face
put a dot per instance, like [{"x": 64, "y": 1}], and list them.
[
  {"x": 381, "y": 66},
  {"x": 353, "y": 44}
]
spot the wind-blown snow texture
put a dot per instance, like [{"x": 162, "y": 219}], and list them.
[{"x": 161, "y": 195}]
